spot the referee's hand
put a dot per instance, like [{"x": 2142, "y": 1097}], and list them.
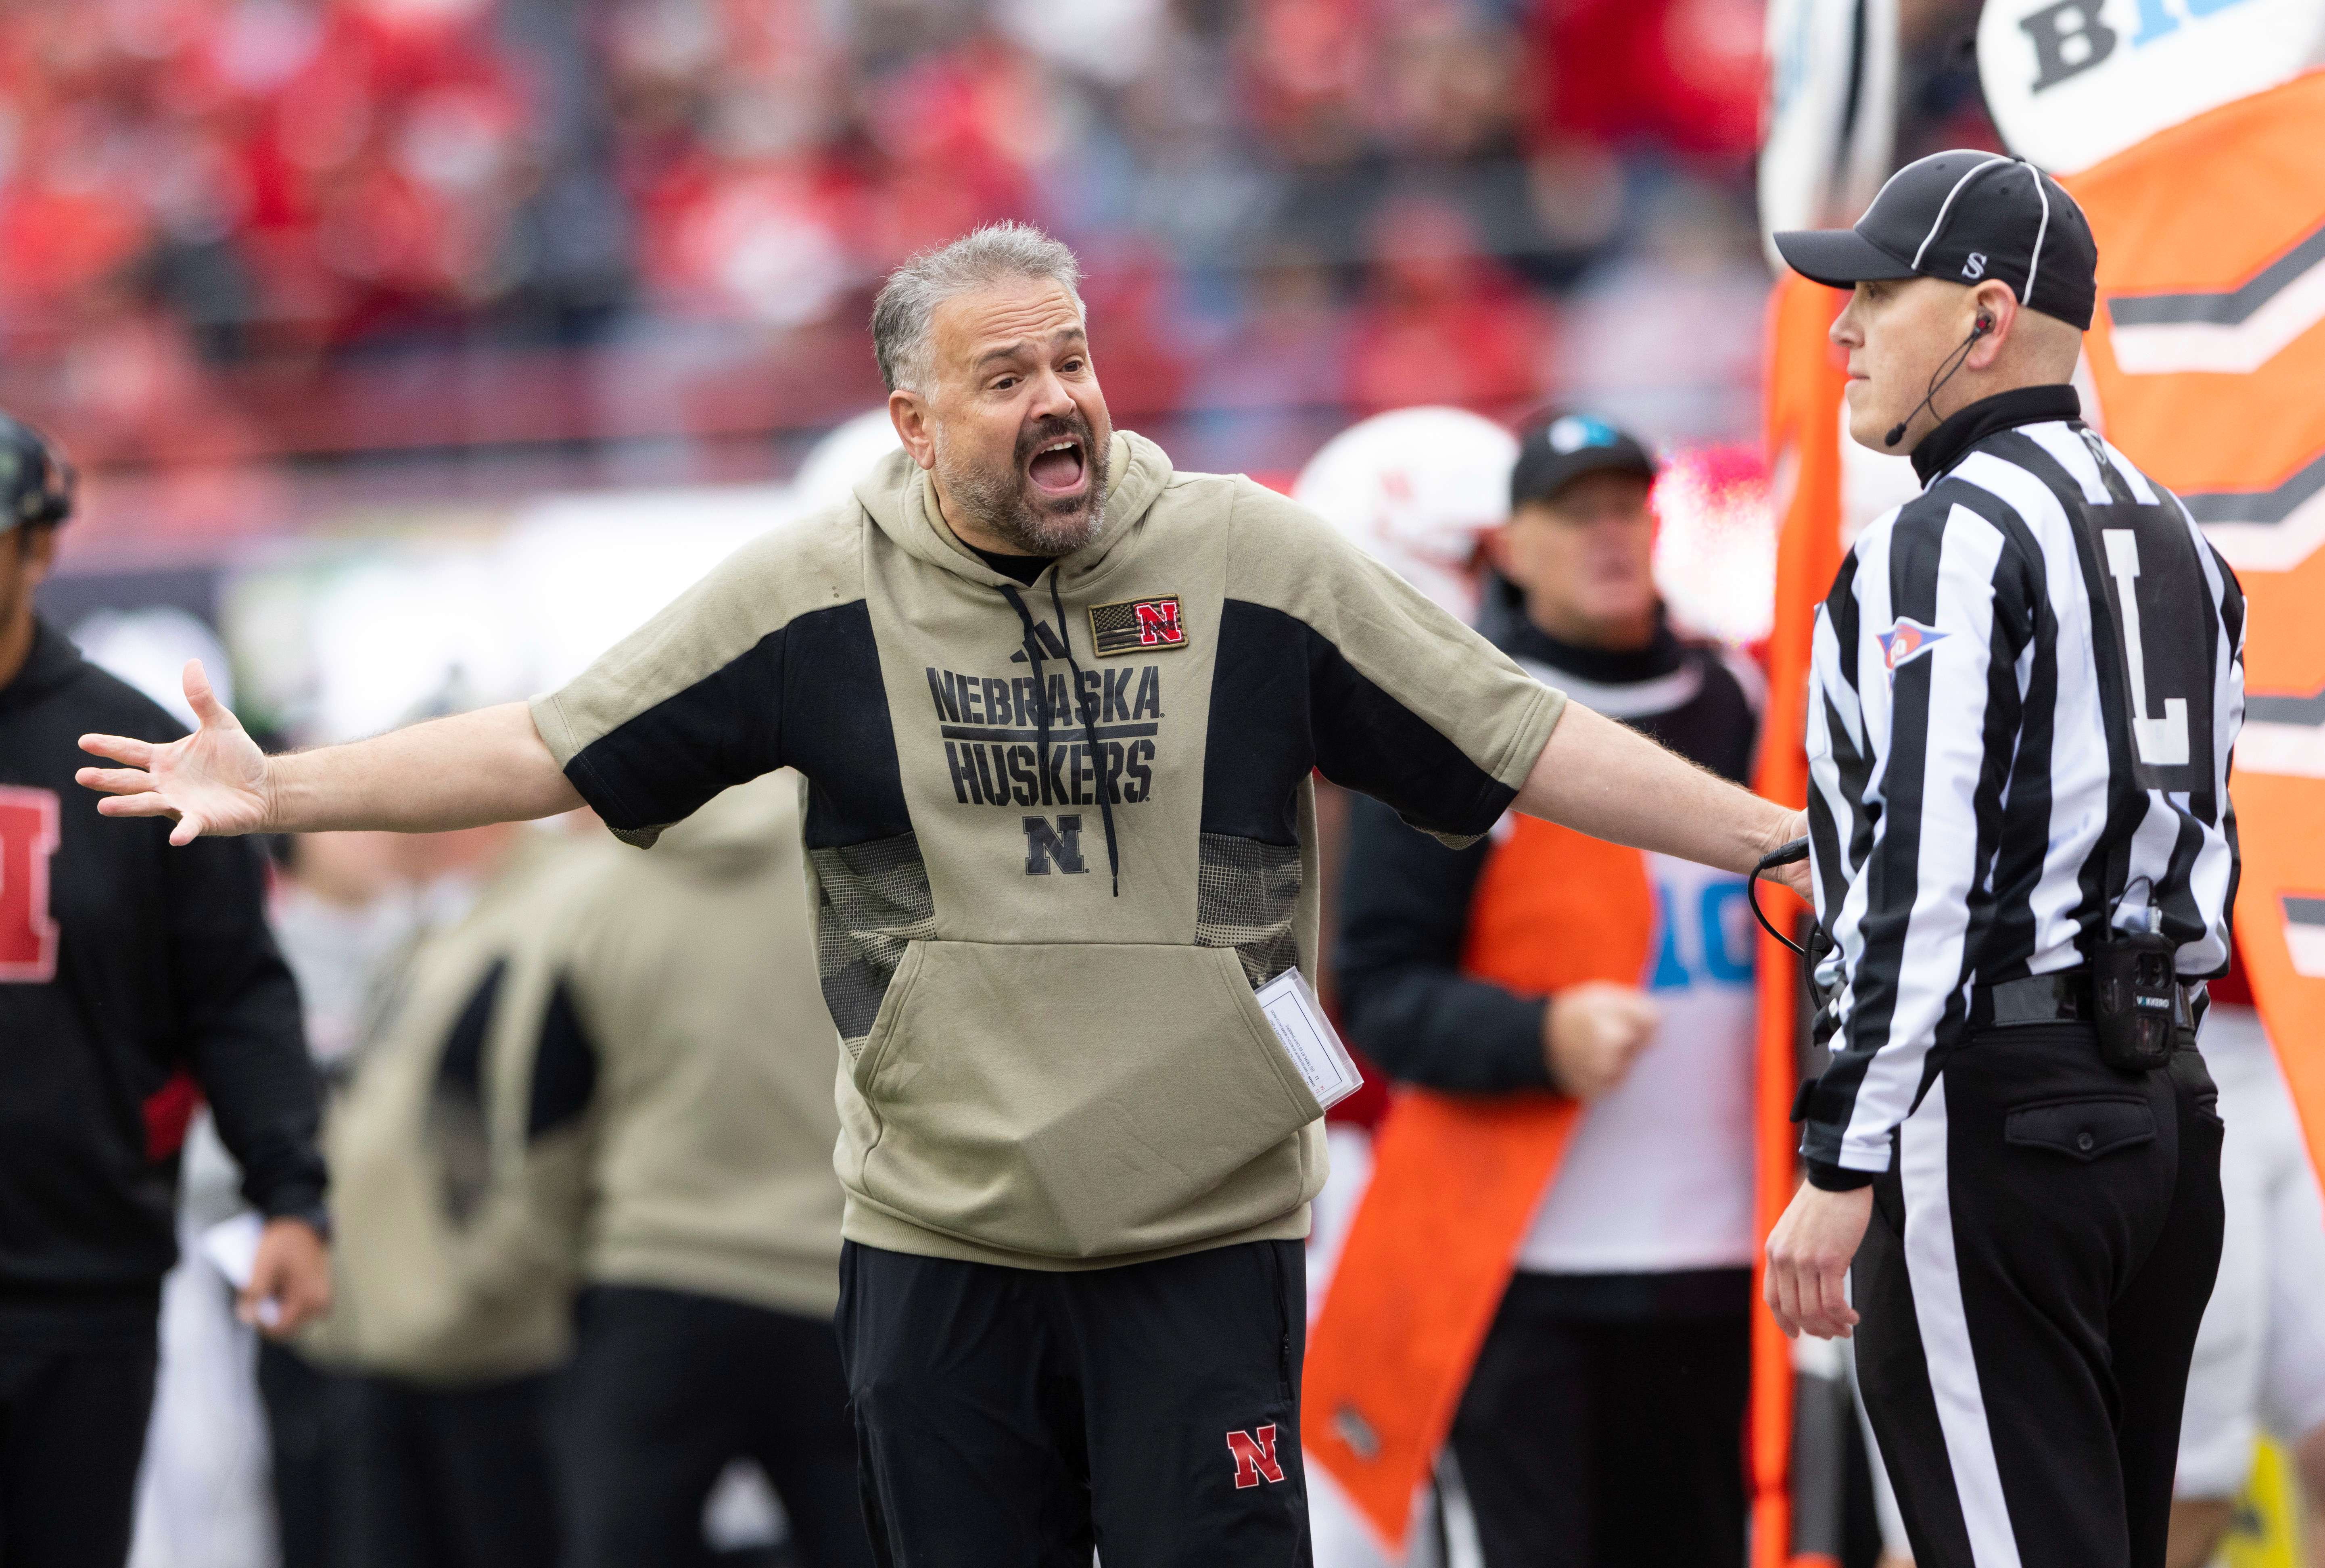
[{"x": 1808, "y": 1255}]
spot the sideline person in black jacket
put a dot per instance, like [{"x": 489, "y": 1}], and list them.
[{"x": 134, "y": 980}]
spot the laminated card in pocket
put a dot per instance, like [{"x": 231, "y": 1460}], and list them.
[{"x": 1309, "y": 1038}]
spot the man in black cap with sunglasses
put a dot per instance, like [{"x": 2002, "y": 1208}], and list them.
[
  {"x": 2026, "y": 683},
  {"x": 134, "y": 981}
]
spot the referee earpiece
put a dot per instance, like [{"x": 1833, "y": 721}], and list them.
[{"x": 1979, "y": 328}]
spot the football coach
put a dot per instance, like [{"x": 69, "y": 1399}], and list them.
[
  {"x": 1057, "y": 706},
  {"x": 2025, "y": 685}
]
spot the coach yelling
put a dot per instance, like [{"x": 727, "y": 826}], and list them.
[
  {"x": 1057, "y": 706},
  {"x": 2026, "y": 682}
]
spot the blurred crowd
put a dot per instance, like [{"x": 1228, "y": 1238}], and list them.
[{"x": 226, "y": 224}]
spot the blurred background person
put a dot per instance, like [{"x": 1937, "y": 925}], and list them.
[
  {"x": 343, "y": 911},
  {"x": 709, "y": 1223},
  {"x": 466, "y": 1107},
  {"x": 134, "y": 982},
  {"x": 203, "y": 1497},
  {"x": 1602, "y": 1417}
]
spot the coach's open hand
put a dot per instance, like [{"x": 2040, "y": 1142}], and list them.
[
  {"x": 487, "y": 766},
  {"x": 1809, "y": 1253},
  {"x": 292, "y": 1272},
  {"x": 213, "y": 781}
]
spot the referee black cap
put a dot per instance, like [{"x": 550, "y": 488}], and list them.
[
  {"x": 36, "y": 483},
  {"x": 1965, "y": 217},
  {"x": 1556, "y": 452}
]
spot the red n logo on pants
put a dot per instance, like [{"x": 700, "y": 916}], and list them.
[
  {"x": 1254, "y": 1456},
  {"x": 28, "y": 836}
]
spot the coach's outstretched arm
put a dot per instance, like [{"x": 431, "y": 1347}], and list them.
[
  {"x": 1608, "y": 780},
  {"x": 490, "y": 765}
]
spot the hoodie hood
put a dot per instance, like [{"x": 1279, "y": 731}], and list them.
[
  {"x": 738, "y": 832},
  {"x": 902, "y": 498}
]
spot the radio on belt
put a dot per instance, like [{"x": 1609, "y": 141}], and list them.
[{"x": 2135, "y": 990}]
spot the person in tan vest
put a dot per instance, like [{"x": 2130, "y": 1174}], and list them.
[
  {"x": 707, "y": 1229},
  {"x": 463, "y": 1126}
]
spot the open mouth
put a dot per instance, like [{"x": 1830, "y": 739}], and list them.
[{"x": 1058, "y": 468}]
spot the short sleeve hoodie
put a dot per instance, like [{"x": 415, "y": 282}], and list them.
[{"x": 1056, "y": 834}]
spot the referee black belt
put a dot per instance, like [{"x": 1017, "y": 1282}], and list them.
[{"x": 2063, "y": 998}]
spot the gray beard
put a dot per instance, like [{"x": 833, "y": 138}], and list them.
[{"x": 1006, "y": 505}]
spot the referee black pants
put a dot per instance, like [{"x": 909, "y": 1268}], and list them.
[
  {"x": 2039, "y": 1258},
  {"x": 1019, "y": 1418}
]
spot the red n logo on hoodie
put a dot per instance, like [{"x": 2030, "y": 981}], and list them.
[
  {"x": 1158, "y": 622},
  {"x": 1254, "y": 1456}
]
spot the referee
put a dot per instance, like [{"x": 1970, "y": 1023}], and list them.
[{"x": 2026, "y": 683}]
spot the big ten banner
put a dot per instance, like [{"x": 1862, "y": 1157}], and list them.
[{"x": 2072, "y": 82}]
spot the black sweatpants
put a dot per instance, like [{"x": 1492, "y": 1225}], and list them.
[
  {"x": 2039, "y": 1258},
  {"x": 665, "y": 1389},
  {"x": 1016, "y": 1418},
  {"x": 72, "y": 1431},
  {"x": 310, "y": 1418},
  {"x": 1589, "y": 1439},
  {"x": 451, "y": 1478}
]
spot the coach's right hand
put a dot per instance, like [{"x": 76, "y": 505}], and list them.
[
  {"x": 1592, "y": 1034},
  {"x": 213, "y": 781}
]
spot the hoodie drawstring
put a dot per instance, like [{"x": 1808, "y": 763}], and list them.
[{"x": 1076, "y": 702}]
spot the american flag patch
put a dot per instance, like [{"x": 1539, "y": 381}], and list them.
[{"x": 1137, "y": 626}]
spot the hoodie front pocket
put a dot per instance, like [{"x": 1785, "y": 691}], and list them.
[
  {"x": 1081, "y": 1099},
  {"x": 883, "y": 1021}
]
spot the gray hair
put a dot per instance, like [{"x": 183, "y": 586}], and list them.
[{"x": 909, "y": 299}]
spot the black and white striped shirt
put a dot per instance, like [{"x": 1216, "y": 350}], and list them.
[{"x": 2025, "y": 685}]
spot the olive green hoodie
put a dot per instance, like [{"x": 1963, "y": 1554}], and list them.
[{"x": 1059, "y": 834}]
